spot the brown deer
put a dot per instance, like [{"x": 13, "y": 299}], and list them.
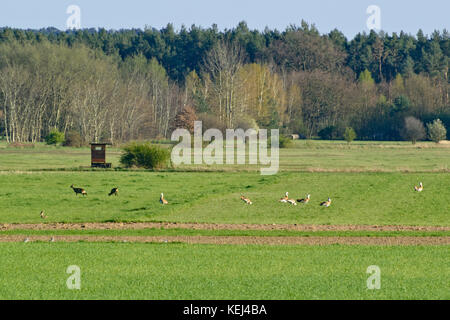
[{"x": 79, "y": 191}]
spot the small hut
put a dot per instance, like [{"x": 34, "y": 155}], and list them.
[{"x": 98, "y": 155}]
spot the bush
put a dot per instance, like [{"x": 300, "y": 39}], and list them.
[
  {"x": 145, "y": 156},
  {"x": 73, "y": 139},
  {"x": 55, "y": 137},
  {"x": 246, "y": 123},
  {"x": 413, "y": 129},
  {"x": 285, "y": 142},
  {"x": 185, "y": 119},
  {"x": 349, "y": 134},
  {"x": 436, "y": 131}
]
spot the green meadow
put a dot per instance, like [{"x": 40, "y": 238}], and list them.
[
  {"x": 370, "y": 183},
  {"x": 179, "y": 271},
  {"x": 357, "y": 198},
  {"x": 304, "y": 155}
]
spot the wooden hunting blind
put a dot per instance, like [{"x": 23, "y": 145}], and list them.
[{"x": 98, "y": 155}]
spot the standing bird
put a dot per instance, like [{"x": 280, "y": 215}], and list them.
[
  {"x": 79, "y": 191},
  {"x": 114, "y": 191},
  {"x": 26, "y": 240},
  {"x": 305, "y": 200},
  {"x": 246, "y": 200},
  {"x": 326, "y": 203},
  {"x": 162, "y": 200},
  {"x": 43, "y": 216},
  {"x": 419, "y": 188},
  {"x": 285, "y": 198}
]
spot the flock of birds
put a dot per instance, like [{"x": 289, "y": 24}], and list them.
[
  {"x": 306, "y": 200},
  {"x": 285, "y": 199}
]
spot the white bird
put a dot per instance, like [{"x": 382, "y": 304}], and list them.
[
  {"x": 52, "y": 239},
  {"x": 26, "y": 240}
]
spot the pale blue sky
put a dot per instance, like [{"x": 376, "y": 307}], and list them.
[{"x": 349, "y": 16}]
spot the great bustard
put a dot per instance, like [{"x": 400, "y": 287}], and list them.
[
  {"x": 162, "y": 200},
  {"x": 305, "y": 200},
  {"x": 246, "y": 200},
  {"x": 326, "y": 203},
  {"x": 285, "y": 198},
  {"x": 419, "y": 188}
]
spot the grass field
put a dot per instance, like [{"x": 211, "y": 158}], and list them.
[
  {"x": 370, "y": 183},
  {"x": 177, "y": 271},
  {"x": 358, "y": 198},
  {"x": 303, "y": 156}
]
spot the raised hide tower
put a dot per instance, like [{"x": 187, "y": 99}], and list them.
[{"x": 98, "y": 155}]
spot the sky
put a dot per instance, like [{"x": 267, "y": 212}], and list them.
[{"x": 348, "y": 16}]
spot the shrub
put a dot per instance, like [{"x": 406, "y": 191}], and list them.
[
  {"x": 436, "y": 131},
  {"x": 144, "y": 155},
  {"x": 185, "y": 119},
  {"x": 55, "y": 137},
  {"x": 349, "y": 134},
  {"x": 73, "y": 139},
  {"x": 413, "y": 129},
  {"x": 246, "y": 123},
  {"x": 285, "y": 142}
]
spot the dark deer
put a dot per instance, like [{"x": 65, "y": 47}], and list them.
[
  {"x": 114, "y": 191},
  {"x": 79, "y": 191}
]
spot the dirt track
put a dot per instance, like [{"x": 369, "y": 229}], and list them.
[
  {"x": 239, "y": 240},
  {"x": 212, "y": 226}
]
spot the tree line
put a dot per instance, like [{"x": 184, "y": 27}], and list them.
[{"x": 137, "y": 84}]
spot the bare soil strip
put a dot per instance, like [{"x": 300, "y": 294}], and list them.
[
  {"x": 213, "y": 226},
  {"x": 239, "y": 240}
]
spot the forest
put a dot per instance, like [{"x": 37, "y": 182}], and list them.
[{"x": 125, "y": 85}]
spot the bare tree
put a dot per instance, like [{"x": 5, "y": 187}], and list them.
[
  {"x": 222, "y": 64},
  {"x": 413, "y": 129}
]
